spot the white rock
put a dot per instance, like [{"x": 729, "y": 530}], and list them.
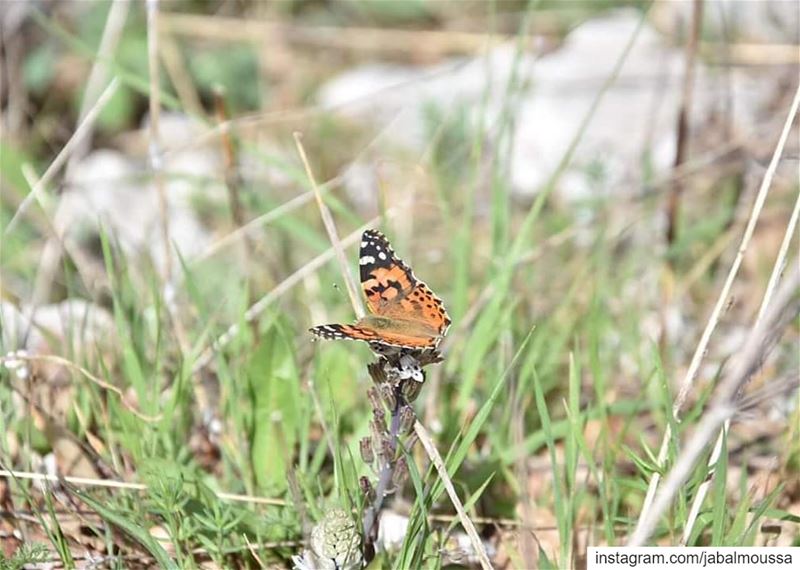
[
  {"x": 74, "y": 321},
  {"x": 635, "y": 120},
  {"x": 107, "y": 189}
]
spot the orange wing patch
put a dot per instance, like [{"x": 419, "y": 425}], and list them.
[{"x": 421, "y": 305}]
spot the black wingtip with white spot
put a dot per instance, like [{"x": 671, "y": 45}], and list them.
[{"x": 376, "y": 251}]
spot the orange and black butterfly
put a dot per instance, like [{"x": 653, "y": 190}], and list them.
[{"x": 403, "y": 311}]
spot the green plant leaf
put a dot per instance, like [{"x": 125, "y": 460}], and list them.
[
  {"x": 275, "y": 388},
  {"x": 135, "y": 531}
]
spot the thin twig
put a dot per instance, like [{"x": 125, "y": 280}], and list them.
[
  {"x": 436, "y": 459},
  {"x": 700, "y": 351},
  {"x": 330, "y": 227},
  {"x": 757, "y": 345}
]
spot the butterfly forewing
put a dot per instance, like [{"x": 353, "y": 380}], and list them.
[{"x": 384, "y": 276}]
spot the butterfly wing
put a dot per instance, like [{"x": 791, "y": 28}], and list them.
[
  {"x": 417, "y": 318},
  {"x": 421, "y": 306},
  {"x": 352, "y": 332},
  {"x": 384, "y": 276},
  {"x": 392, "y": 289},
  {"x": 372, "y": 336}
]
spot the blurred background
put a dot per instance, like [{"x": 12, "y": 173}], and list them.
[{"x": 582, "y": 167}]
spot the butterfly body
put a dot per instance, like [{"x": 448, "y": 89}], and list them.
[{"x": 403, "y": 311}]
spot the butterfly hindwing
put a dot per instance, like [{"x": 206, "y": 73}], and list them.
[
  {"x": 420, "y": 304},
  {"x": 353, "y": 332}
]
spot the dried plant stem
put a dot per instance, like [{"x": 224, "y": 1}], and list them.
[
  {"x": 330, "y": 226},
  {"x": 754, "y": 54},
  {"x": 694, "y": 366},
  {"x": 757, "y": 345},
  {"x": 384, "y": 479},
  {"x": 177, "y": 70},
  {"x": 94, "y": 101},
  {"x": 61, "y": 158},
  {"x": 233, "y": 179},
  {"x": 682, "y": 143},
  {"x": 110, "y": 483},
  {"x": 436, "y": 459},
  {"x": 53, "y": 247},
  {"x": 433, "y": 42},
  {"x": 102, "y": 383},
  {"x": 262, "y": 220},
  {"x": 777, "y": 270},
  {"x": 780, "y": 260},
  {"x": 156, "y": 157},
  {"x": 115, "y": 23},
  {"x": 89, "y": 270}
]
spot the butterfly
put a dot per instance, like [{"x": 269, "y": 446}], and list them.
[{"x": 403, "y": 312}]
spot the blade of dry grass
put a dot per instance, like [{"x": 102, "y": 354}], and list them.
[
  {"x": 780, "y": 260},
  {"x": 436, "y": 459},
  {"x": 771, "y": 54},
  {"x": 330, "y": 227},
  {"x": 110, "y": 483},
  {"x": 66, "y": 151},
  {"x": 102, "y": 383},
  {"x": 700, "y": 351},
  {"x": 351, "y": 38},
  {"x": 115, "y": 24},
  {"x": 90, "y": 271},
  {"x": 262, "y": 220},
  {"x": 287, "y": 207},
  {"x": 176, "y": 68}
]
